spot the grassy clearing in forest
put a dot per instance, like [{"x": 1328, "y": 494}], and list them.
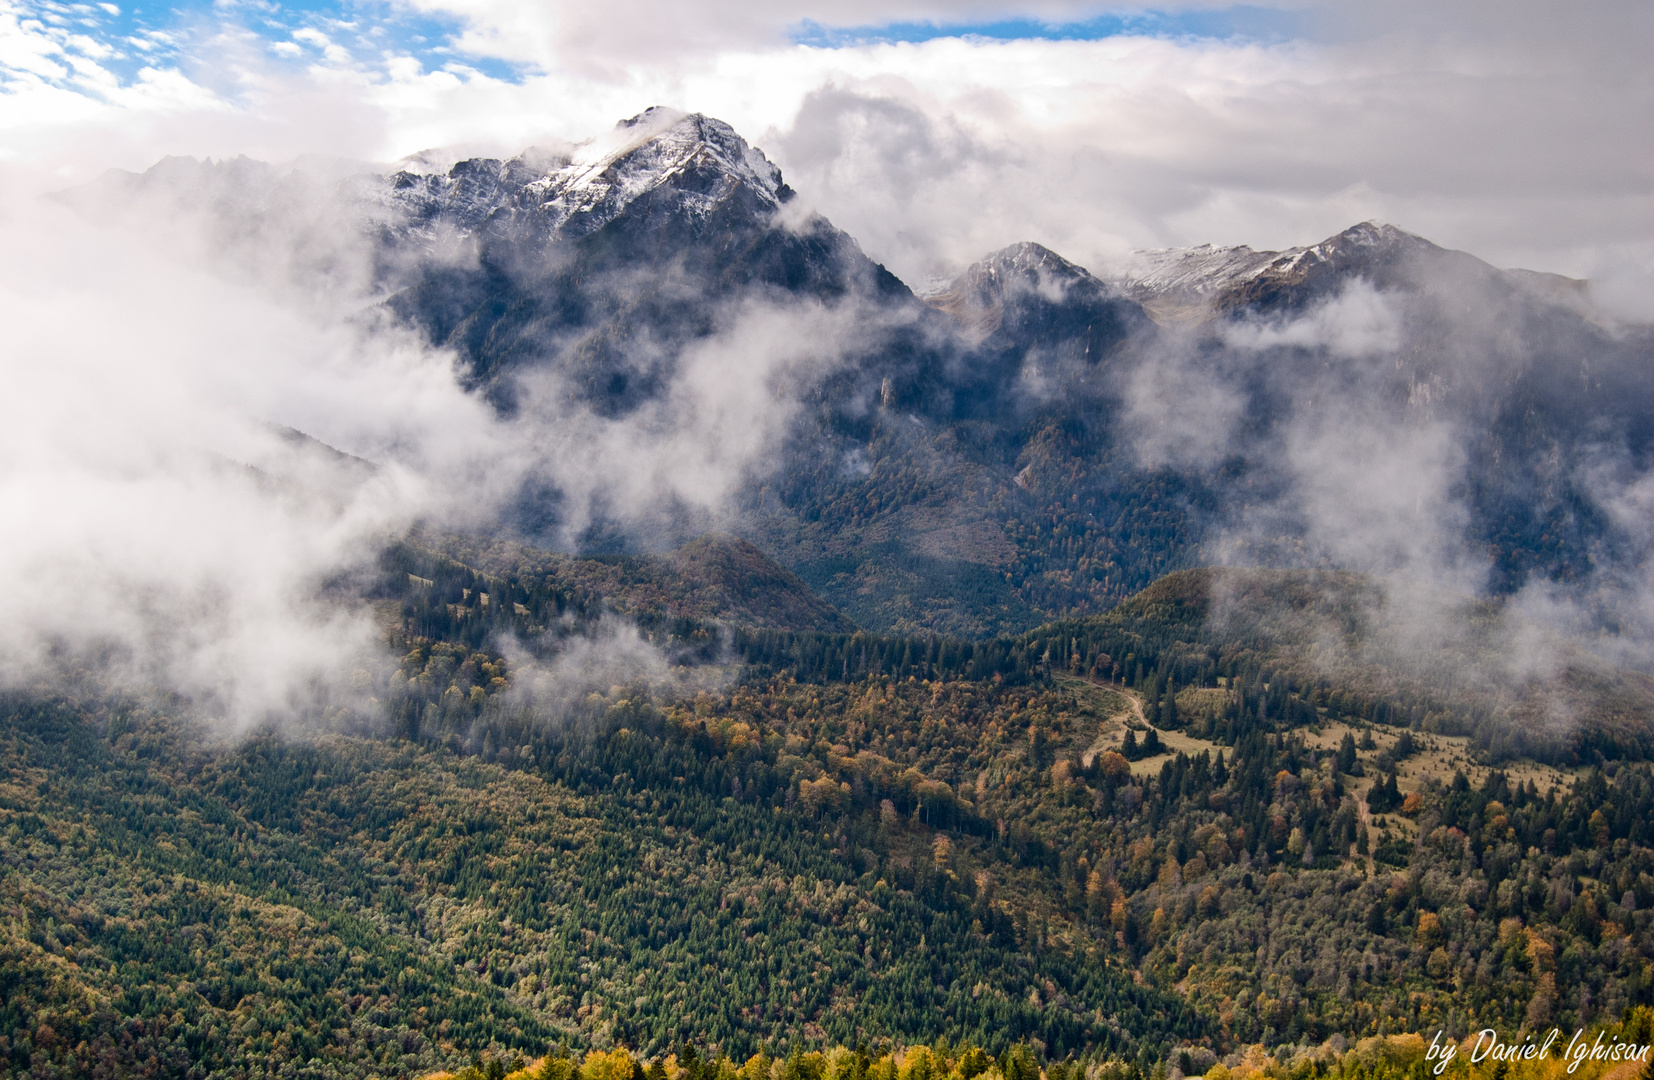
[{"x": 1438, "y": 757}]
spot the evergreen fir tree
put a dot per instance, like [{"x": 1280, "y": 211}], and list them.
[{"x": 1346, "y": 754}]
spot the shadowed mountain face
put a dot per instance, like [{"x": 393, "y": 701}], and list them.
[
  {"x": 1039, "y": 324},
  {"x": 1030, "y": 441},
  {"x": 604, "y": 265},
  {"x": 591, "y": 276}
]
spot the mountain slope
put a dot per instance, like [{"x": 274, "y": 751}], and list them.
[{"x": 1031, "y": 296}]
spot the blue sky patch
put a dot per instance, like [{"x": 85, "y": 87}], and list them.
[
  {"x": 87, "y": 45},
  {"x": 1242, "y": 22},
  {"x": 122, "y": 38}
]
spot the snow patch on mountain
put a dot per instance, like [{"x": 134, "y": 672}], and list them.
[
  {"x": 1359, "y": 241},
  {"x": 1194, "y": 272}
]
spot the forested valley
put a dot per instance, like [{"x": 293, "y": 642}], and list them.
[{"x": 1125, "y": 842}]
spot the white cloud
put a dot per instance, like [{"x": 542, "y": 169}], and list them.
[
  {"x": 153, "y": 526},
  {"x": 720, "y": 421},
  {"x": 1358, "y": 322},
  {"x": 137, "y": 535},
  {"x": 1508, "y": 131}
]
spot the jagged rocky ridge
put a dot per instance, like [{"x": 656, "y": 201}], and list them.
[
  {"x": 575, "y": 193},
  {"x": 1208, "y": 281}
]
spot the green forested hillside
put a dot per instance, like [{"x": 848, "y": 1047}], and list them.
[
  {"x": 837, "y": 839},
  {"x": 377, "y": 905},
  {"x": 1290, "y": 647}
]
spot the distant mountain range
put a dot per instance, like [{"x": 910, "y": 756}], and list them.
[{"x": 1032, "y": 440}]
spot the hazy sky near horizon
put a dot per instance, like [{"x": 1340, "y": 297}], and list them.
[{"x": 932, "y": 131}]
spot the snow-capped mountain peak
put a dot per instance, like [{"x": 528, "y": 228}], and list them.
[
  {"x": 574, "y": 191},
  {"x": 700, "y": 155},
  {"x": 1033, "y": 263},
  {"x": 1365, "y": 239},
  {"x": 1024, "y": 266}
]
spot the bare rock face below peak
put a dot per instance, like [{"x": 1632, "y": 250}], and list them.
[{"x": 1381, "y": 255}]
